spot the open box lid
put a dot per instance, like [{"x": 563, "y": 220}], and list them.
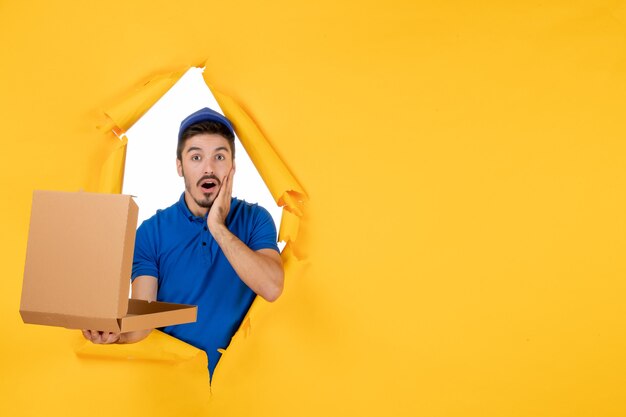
[{"x": 79, "y": 255}]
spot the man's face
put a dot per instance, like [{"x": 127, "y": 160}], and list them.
[{"x": 206, "y": 160}]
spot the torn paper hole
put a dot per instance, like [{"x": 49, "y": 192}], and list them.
[{"x": 150, "y": 168}]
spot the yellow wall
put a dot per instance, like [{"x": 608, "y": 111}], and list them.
[{"x": 465, "y": 227}]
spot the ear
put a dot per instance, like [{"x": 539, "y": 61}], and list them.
[
  {"x": 234, "y": 166},
  {"x": 179, "y": 167}
]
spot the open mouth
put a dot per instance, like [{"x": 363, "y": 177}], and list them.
[{"x": 208, "y": 184}]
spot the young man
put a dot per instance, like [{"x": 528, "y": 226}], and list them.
[{"x": 208, "y": 249}]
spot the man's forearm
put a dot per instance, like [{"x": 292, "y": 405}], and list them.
[
  {"x": 262, "y": 271},
  {"x": 144, "y": 288}
]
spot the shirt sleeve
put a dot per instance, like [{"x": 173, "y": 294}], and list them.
[
  {"x": 263, "y": 233},
  {"x": 145, "y": 255}
]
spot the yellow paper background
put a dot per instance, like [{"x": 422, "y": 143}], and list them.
[{"x": 465, "y": 224}]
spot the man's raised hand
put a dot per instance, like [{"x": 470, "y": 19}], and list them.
[{"x": 221, "y": 205}]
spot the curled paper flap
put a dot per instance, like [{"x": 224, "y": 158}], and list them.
[
  {"x": 285, "y": 189},
  {"x": 130, "y": 109},
  {"x": 157, "y": 347},
  {"x": 112, "y": 171},
  {"x": 121, "y": 117},
  {"x": 277, "y": 177}
]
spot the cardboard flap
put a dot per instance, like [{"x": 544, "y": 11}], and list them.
[
  {"x": 71, "y": 322},
  {"x": 147, "y": 315},
  {"x": 79, "y": 254}
]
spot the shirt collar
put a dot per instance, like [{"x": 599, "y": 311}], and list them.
[{"x": 182, "y": 205}]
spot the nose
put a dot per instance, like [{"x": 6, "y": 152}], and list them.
[{"x": 208, "y": 167}]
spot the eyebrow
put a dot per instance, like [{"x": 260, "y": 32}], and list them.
[
  {"x": 220, "y": 148},
  {"x": 193, "y": 148}
]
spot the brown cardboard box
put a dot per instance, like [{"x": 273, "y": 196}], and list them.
[{"x": 78, "y": 265}]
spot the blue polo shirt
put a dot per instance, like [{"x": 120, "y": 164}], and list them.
[{"x": 177, "y": 248}]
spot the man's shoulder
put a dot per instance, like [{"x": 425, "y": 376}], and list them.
[
  {"x": 248, "y": 217},
  {"x": 242, "y": 204},
  {"x": 253, "y": 224},
  {"x": 167, "y": 214},
  {"x": 246, "y": 209}
]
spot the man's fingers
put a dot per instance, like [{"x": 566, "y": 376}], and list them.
[
  {"x": 221, "y": 205},
  {"x": 94, "y": 335},
  {"x": 91, "y": 335},
  {"x": 98, "y": 337},
  {"x": 231, "y": 176},
  {"x": 227, "y": 189},
  {"x": 228, "y": 182},
  {"x": 223, "y": 188},
  {"x": 110, "y": 337}
]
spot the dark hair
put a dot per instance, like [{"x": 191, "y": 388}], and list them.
[{"x": 205, "y": 127}]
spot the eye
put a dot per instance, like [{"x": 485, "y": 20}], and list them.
[
  {"x": 220, "y": 157},
  {"x": 195, "y": 157}
]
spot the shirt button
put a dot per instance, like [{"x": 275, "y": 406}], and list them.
[
  {"x": 205, "y": 228},
  {"x": 203, "y": 243}
]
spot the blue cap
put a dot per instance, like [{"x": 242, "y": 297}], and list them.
[{"x": 204, "y": 115}]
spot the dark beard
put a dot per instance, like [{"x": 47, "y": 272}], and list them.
[{"x": 204, "y": 203}]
